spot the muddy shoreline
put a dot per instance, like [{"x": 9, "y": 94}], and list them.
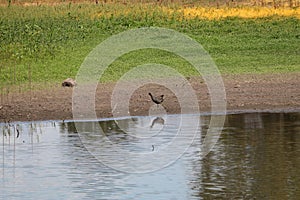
[{"x": 244, "y": 93}]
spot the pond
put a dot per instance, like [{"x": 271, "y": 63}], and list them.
[{"x": 257, "y": 156}]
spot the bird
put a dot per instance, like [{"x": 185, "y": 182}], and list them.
[{"x": 157, "y": 100}]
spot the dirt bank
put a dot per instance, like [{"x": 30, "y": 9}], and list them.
[{"x": 280, "y": 92}]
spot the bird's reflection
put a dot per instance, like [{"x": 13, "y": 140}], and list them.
[{"x": 157, "y": 120}]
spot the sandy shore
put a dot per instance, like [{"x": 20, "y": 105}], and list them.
[{"x": 268, "y": 92}]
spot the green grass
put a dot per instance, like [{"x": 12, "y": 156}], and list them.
[{"x": 53, "y": 41}]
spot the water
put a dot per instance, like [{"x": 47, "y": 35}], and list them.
[{"x": 256, "y": 157}]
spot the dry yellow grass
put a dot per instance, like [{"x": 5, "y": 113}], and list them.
[
  {"x": 244, "y": 12},
  {"x": 208, "y": 13}
]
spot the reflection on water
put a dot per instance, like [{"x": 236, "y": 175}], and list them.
[{"x": 256, "y": 157}]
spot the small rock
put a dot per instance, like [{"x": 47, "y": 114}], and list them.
[{"x": 69, "y": 82}]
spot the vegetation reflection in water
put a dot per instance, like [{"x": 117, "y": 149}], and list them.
[{"x": 257, "y": 156}]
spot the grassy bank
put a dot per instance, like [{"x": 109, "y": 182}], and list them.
[{"x": 48, "y": 43}]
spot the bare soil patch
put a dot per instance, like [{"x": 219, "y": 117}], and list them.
[{"x": 267, "y": 92}]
